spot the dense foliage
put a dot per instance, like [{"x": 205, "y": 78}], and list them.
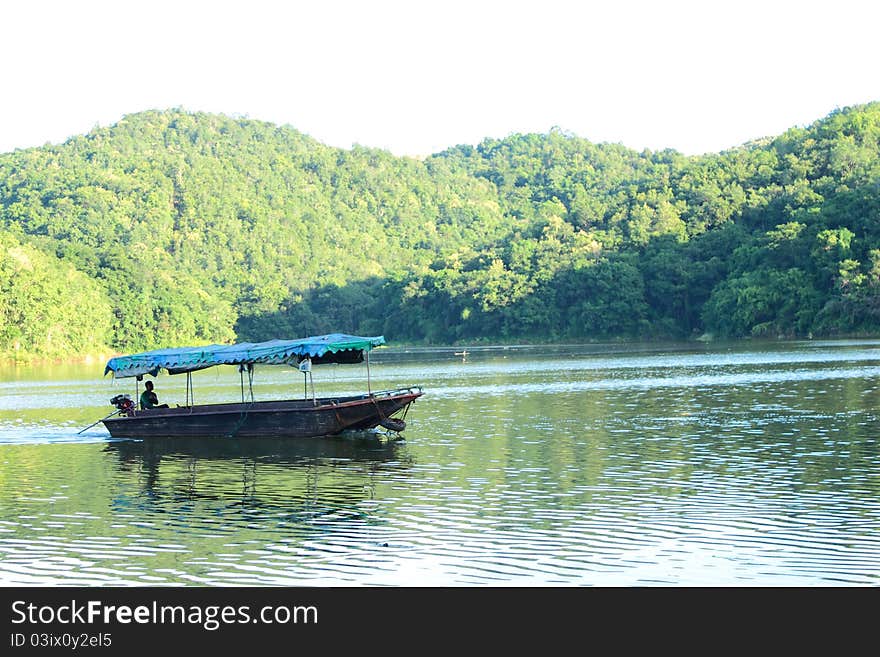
[{"x": 174, "y": 228}]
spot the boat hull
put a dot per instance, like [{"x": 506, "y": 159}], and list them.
[{"x": 289, "y": 418}]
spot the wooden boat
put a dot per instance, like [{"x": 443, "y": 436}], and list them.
[{"x": 299, "y": 418}]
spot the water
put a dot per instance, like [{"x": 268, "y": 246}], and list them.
[{"x": 719, "y": 465}]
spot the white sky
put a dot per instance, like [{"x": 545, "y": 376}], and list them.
[{"x": 418, "y": 76}]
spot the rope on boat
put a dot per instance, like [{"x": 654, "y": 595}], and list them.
[
  {"x": 244, "y": 414},
  {"x": 241, "y": 420}
]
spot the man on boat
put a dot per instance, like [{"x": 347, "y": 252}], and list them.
[{"x": 150, "y": 399}]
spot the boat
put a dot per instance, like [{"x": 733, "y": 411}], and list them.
[{"x": 308, "y": 417}]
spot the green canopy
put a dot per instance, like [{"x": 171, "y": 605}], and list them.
[{"x": 335, "y": 347}]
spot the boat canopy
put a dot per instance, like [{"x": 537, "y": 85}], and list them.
[{"x": 332, "y": 348}]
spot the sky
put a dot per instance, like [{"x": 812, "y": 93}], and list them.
[{"x": 416, "y": 77}]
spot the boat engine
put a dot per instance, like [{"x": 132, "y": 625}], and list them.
[{"x": 123, "y": 403}]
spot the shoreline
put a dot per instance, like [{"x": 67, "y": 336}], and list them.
[
  {"x": 7, "y": 360},
  {"x": 78, "y": 359}
]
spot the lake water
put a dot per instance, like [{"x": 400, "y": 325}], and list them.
[{"x": 610, "y": 465}]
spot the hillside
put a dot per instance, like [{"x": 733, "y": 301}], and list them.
[{"x": 178, "y": 228}]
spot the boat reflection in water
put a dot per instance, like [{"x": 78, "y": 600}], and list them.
[
  {"x": 253, "y": 481},
  {"x": 365, "y": 447}
]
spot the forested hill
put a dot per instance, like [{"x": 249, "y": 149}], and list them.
[{"x": 172, "y": 228}]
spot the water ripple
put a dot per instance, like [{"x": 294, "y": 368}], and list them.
[{"x": 705, "y": 469}]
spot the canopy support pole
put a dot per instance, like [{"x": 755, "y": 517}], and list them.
[
  {"x": 305, "y": 366},
  {"x": 369, "y": 385},
  {"x": 189, "y": 390}
]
